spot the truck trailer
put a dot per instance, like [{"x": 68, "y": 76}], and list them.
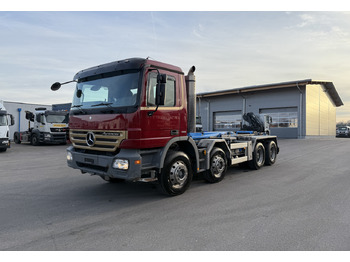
[
  {"x": 135, "y": 120},
  {"x": 49, "y": 127},
  {"x": 6, "y": 120}
]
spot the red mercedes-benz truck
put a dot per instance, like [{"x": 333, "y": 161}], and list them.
[{"x": 135, "y": 120}]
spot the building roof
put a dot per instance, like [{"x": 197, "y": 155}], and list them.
[{"x": 329, "y": 88}]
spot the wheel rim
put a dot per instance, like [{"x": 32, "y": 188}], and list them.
[
  {"x": 260, "y": 156},
  {"x": 217, "y": 166},
  {"x": 178, "y": 175},
  {"x": 272, "y": 153}
]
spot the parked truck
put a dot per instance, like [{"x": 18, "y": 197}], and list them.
[
  {"x": 135, "y": 120},
  {"x": 6, "y": 120},
  {"x": 49, "y": 127}
]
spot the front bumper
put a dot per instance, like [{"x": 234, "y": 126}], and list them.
[
  {"x": 103, "y": 165},
  {"x": 5, "y": 143},
  {"x": 53, "y": 138},
  {"x": 343, "y": 135}
]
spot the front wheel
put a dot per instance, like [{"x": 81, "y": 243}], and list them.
[
  {"x": 35, "y": 140},
  {"x": 218, "y": 166},
  {"x": 176, "y": 175},
  {"x": 258, "y": 157}
]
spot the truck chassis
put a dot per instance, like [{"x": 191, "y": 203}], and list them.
[{"x": 173, "y": 167}]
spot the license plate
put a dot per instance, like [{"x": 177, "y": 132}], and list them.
[{"x": 89, "y": 160}]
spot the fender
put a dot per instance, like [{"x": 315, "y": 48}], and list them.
[
  {"x": 209, "y": 144},
  {"x": 36, "y": 132},
  {"x": 188, "y": 146}
]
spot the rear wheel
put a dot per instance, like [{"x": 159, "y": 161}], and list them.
[
  {"x": 16, "y": 138},
  {"x": 271, "y": 153},
  {"x": 258, "y": 157},
  {"x": 218, "y": 166},
  {"x": 176, "y": 175}
]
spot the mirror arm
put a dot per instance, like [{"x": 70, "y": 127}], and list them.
[
  {"x": 150, "y": 113},
  {"x": 57, "y": 85}
]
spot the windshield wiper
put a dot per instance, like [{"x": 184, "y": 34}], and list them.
[
  {"x": 103, "y": 104},
  {"x": 79, "y": 107}
]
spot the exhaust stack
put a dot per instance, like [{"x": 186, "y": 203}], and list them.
[{"x": 191, "y": 100}]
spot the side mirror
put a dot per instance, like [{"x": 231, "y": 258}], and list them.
[
  {"x": 12, "y": 120},
  {"x": 79, "y": 93},
  {"x": 160, "y": 89},
  {"x": 55, "y": 86}
]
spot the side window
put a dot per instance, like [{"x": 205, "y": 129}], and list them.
[
  {"x": 170, "y": 91},
  {"x": 151, "y": 90}
]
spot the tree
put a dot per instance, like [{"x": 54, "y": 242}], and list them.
[{"x": 343, "y": 123}]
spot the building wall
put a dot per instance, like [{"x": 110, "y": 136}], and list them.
[
  {"x": 320, "y": 112},
  {"x": 267, "y": 101},
  {"x": 21, "y": 123}
]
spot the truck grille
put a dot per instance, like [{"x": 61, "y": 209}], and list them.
[
  {"x": 64, "y": 129},
  {"x": 97, "y": 139}
]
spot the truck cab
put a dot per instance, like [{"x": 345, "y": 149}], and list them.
[
  {"x": 115, "y": 120},
  {"x": 6, "y": 120},
  {"x": 44, "y": 127}
]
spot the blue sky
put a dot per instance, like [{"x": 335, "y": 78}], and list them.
[{"x": 229, "y": 49}]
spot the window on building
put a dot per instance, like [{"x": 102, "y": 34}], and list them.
[
  {"x": 227, "y": 120},
  {"x": 170, "y": 91},
  {"x": 285, "y": 117}
]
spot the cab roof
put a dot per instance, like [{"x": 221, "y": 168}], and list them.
[{"x": 126, "y": 64}]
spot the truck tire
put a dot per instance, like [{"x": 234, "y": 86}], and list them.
[
  {"x": 271, "y": 153},
  {"x": 34, "y": 140},
  {"x": 258, "y": 157},
  {"x": 218, "y": 166},
  {"x": 16, "y": 138},
  {"x": 176, "y": 175}
]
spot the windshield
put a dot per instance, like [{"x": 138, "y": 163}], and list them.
[
  {"x": 3, "y": 120},
  {"x": 342, "y": 128},
  {"x": 114, "y": 91},
  {"x": 57, "y": 119}
]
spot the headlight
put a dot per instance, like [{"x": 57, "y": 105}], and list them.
[
  {"x": 47, "y": 135},
  {"x": 5, "y": 142},
  {"x": 121, "y": 164},
  {"x": 69, "y": 156}
]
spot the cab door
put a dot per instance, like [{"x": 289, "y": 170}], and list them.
[{"x": 164, "y": 124}]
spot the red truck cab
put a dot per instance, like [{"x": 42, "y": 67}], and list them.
[{"x": 117, "y": 129}]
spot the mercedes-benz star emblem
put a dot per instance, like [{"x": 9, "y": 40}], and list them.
[{"x": 90, "y": 139}]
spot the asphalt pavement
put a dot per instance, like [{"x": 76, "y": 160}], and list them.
[{"x": 300, "y": 203}]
